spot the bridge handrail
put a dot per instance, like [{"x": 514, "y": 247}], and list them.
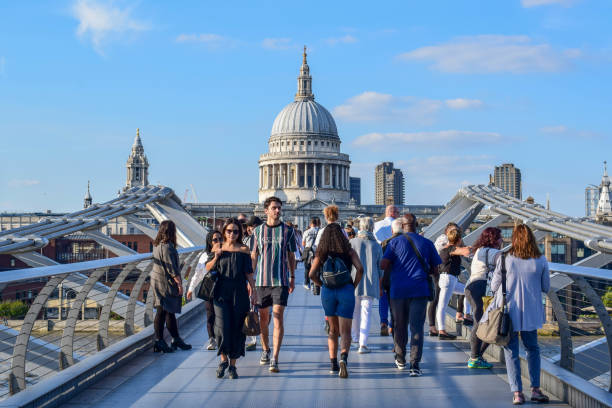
[
  {"x": 18, "y": 275},
  {"x": 583, "y": 271},
  {"x": 34, "y": 351}
]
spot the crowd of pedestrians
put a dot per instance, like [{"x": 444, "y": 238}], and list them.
[{"x": 254, "y": 262}]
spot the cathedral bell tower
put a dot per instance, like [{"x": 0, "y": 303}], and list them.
[{"x": 137, "y": 165}]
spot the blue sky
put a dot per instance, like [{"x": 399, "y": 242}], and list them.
[{"x": 446, "y": 90}]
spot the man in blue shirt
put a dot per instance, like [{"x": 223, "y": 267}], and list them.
[{"x": 409, "y": 290}]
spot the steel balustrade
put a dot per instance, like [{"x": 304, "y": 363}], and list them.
[{"x": 23, "y": 362}]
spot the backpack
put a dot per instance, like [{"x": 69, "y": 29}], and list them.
[{"x": 335, "y": 273}]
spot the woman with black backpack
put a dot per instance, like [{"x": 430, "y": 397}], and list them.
[{"x": 335, "y": 257}]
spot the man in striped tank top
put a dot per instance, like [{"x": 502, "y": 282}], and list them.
[{"x": 273, "y": 258}]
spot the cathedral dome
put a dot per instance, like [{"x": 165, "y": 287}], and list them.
[{"x": 304, "y": 117}]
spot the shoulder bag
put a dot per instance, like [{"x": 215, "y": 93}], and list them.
[
  {"x": 251, "y": 325},
  {"x": 430, "y": 282},
  {"x": 498, "y": 328},
  {"x": 335, "y": 273},
  {"x": 207, "y": 288}
]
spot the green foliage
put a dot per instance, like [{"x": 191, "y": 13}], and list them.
[
  {"x": 13, "y": 310},
  {"x": 607, "y": 297},
  {"x": 115, "y": 316}
]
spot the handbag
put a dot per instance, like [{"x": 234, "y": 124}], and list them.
[
  {"x": 207, "y": 288},
  {"x": 498, "y": 328},
  {"x": 335, "y": 274},
  {"x": 430, "y": 281},
  {"x": 251, "y": 325}
]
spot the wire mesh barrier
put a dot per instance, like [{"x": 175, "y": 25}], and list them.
[
  {"x": 60, "y": 315},
  {"x": 576, "y": 335},
  {"x": 578, "y": 329}
]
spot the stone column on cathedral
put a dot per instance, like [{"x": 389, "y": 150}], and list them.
[
  {"x": 283, "y": 182},
  {"x": 314, "y": 175},
  {"x": 348, "y": 178},
  {"x": 274, "y": 176},
  {"x": 335, "y": 176}
]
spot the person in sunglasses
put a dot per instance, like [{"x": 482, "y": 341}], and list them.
[
  {"x": 213, "y": 238},
  {"x": 232, "y": 261}
]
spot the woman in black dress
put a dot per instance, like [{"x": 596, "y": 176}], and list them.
[{"x": 232, "y": 261}]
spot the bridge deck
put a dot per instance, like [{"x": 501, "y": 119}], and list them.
[{"x": 187, "y": 379}]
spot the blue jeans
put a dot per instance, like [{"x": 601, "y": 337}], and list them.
[
  {"x": 383, "y": 309},
  {"x": 513, "y": 363},
  {"x": 339, "y": 302}
]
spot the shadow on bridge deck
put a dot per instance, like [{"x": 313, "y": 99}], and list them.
[{"x": 187, "y": 378}]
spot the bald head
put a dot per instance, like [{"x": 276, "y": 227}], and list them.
[{"x": 391, "y": 211}]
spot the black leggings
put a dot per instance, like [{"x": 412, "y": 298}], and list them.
[
  {"x": 474, "y": 293},
  {"x": 161, "y": 317},
  {"x": 210, "y": 319},
  {"x": 431, "y": 311}
]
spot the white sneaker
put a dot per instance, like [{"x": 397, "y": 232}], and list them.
[
  {"x": 212, "y": 344},
  {"x": 306, "y": 286},
  {"x": 363, "y": 350}
]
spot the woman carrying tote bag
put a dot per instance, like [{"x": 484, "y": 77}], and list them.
[{"x": 527, "y": 277}]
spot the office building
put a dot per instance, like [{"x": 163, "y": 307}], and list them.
[{"x": 389, "y": 185}]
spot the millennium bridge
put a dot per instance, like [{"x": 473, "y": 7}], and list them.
[{"x": 108, "y": 360}]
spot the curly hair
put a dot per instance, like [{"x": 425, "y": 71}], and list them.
[
  {"x": 524, "y": 244},
  {"x": 333, "y": 240},
  {"x": 488, "y": 239}
]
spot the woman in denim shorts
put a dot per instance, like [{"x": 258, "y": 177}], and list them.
[{"x": 339, "y": 303}]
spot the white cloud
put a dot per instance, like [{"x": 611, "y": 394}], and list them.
[
  {"x": 277, "y": 43},
  {"x": 536, "y": 3},
  {"x": 554, "y": 129},
  {"x": 212, "y": 41},
  {"x": 461, "y": 103},
  {"x": 568, "y": 132},
  {"x": 101, "y": 21},
  {"x": 379, "y": 140},
  {"x": 347, "y": 39},
  {"x": 493, "y": 53},
  {"x": 23, "y": 183},
  {"x": 376, "y": 106}
]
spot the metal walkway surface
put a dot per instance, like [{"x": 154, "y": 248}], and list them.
[{"x": 187, "y": 378}]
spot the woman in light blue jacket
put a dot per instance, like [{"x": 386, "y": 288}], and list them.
[
  {"x": 527, "y": 278},
  {"x": 370, "y": 254}
]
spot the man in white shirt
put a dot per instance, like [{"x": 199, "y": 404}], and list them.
[
  {"x": 382, "y": 231},
  {"x": 382, "y": 228},
  {"x": 308, "y": 242}
]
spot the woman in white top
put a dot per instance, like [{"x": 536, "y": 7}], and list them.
[
  {"x": 213, "y": 238},
  {"x": 486, "y": 250}
]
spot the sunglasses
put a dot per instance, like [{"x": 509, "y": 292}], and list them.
[
  {"x": 216, "y": 240},
  {"x": 232, "y": 231}
]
